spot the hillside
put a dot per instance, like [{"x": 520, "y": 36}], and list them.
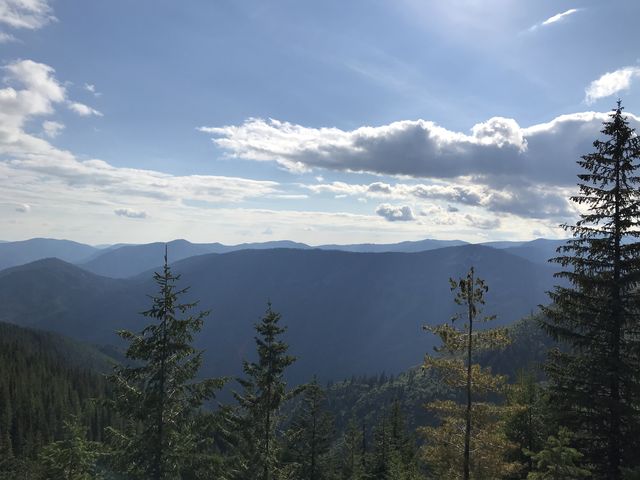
[
  {"x": 348, "y": 313},
  {"x": 22, "y": 252},
  {"x": 45, "y": 378}
]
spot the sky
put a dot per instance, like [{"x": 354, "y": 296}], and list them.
[{"x": 239, "y": 121}]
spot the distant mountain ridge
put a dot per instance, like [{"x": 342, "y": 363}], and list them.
[
  {"x": 347, "y": 313},
  {"x": 128, "y": 260}
]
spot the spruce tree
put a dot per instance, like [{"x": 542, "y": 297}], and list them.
[
  {"x": 264, "y": 392},
  {"x": 475, "y": 424},
  {"x": 156, "y": 391},
  {"x": 595, "y": 381}
]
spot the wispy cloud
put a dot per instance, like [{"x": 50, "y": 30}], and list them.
[
  {"x": 7, "y": 37},
  {"x": 83, "y": 110},
  {"x": 26, "y": 14},
  {"x": 90, "y": 87},
  {"x": 611, "y": 83},
  {"x": 559, "y": 17}
]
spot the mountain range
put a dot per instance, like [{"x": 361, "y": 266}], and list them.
[
  {"x": 125, "y": 260},
  {"x": 347, "y": 312}
]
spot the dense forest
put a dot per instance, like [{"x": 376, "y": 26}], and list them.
[{"x": 553, "y": 396}]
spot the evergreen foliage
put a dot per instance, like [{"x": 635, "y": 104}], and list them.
[
  {"x": 264, "y": 392},
  {"x": 309, "y": 436},
  {"x": 558, "y": 460},
  {"x": 595, "y": 382},
  {"x": 73, "y": 457},
  {"x": 157, "y": 394},
  {"x": 474, "y": 425}
]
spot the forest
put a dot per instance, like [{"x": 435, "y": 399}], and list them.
[{"x": 553, "y": 396}]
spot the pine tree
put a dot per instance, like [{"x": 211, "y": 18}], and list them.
[
  {"x": 595, "y": 382},
  {"x": 309, "y": 435},
  {"x": 264, "y": 392},
  {"x": 557, "y": 460},
  {"x": 73, "y": 457},
  {"x": 475, "y": 425},
  {"x": 156, "y": 393}
]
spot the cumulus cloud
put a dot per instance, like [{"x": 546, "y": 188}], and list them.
[
  {"x": 496, "y": 153},
  {"x": 393, "y": 213},
  {"x": 129, "y": 213},
  {"x": 611, "y": 83},
  {"x": 52, "y": 129},
  {"x": 83, "y": 110},
  {"x": 27, "y": 14}
]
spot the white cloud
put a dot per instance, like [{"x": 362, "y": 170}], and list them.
[
  {"x": 129, "y": 213},
  {"x": 611, "y": 83},
  {"x": 7, "y": 37},
  {"x": 554, "y": 19},
  {"x": 393, "y": 213},
  {"x": 89, "y": 87},
  {"x": 83, "y": 110},
  {"x": 23, "y": 208},
  {"x": 560, "y": 16},
  {"x": 498, "y": 152},
  {"x": 27, "y": 14},
  {"x": 52, "y": 129}
]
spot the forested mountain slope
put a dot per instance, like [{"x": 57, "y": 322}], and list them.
[{"x": 347, "y": 313}]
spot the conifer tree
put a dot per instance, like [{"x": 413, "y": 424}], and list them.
[
  {"x": 309, "y": 435},
  {"x": 73, "y": 457},
  {"x": 595, "y": 382},
  {"x": 474, "y": 425},
  {"x": 264, "y": 392},
  {"x": 558, "y": 460},
  {"x": 352, "y": 463},
  {"x": 156, "y": 393}
]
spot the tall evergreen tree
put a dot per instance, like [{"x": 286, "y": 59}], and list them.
[
  {"x": 557, "y": 460},
  {"x": 156, "y": 393},
  {"x": 264, "y": 392},
  {"x": 476, "y": 424},
  {"x": 595, "y": 382}
]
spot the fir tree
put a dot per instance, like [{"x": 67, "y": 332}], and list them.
[
  {"x": 595, "y": 382},
  {"x": 310, "y": 434},
  {"x": 156, "y": 393},
  {"x": 352, "y": 463},
  {"x": 264, "y": 392},
  {"x": 474, "y": 425}
]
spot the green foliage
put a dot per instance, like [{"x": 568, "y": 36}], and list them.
[
  {"x": 558, "y": 460},
  {"x": 156, "y": 394},
  {"x": 527, "y": 418},
  {"x": 595, "y": 381},
  {"x": 309, "y": 436},
  {"x": 45, "y": 378},
  {"x": 73, "y": 457},
  {"x": 257, "y": 417},
  {"x": 474, "y": 426}
]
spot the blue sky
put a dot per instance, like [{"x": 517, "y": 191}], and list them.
[{"x": 322, "y": 122}]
